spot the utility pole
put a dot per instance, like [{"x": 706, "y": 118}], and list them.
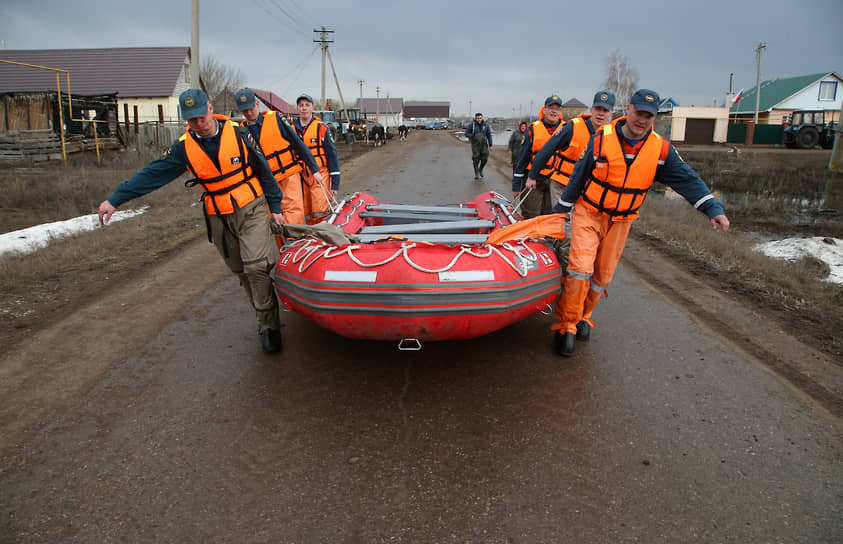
[
  {"x": 469, "y": 109},
  {"x": 761, "y": 47},
  {"x": 377, "y": 103},
  {"x": 339, "y": 91},
  {"x": 194, "y": 44},
  {"x": 361, "y": 82},
  {"x": 324, "y": 41}
]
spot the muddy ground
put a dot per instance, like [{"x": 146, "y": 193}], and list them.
[{"x": 129, "y": 421}]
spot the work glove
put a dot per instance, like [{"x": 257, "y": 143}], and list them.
[{"x": 560, "y": 208}]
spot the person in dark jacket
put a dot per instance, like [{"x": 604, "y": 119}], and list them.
[
  {"x": 608, "y": 185},
  {"x": 515, "y": 142},
  {"x": 238, "y": 186},
  {"x": 480, "y": 135}
]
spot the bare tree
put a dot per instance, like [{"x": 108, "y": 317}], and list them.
[
  {"x": 621, "y": 78},
  {"x": 220, "y": 82}
]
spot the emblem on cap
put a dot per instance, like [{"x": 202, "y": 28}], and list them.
[
  {"x": 604, "y": 97},
  {"x": 649, "y": 97},
  {"x": 189, "y": 102},
  {"x": 242, "y": 98}
]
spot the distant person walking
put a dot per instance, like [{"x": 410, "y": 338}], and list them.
[
  {"x": 515, "y": 141},
  {"x": 284, "y": 151},
  {"x": 537, "y": 201},
  {"x": 608, "y": 185},
  {"x": 316, "y": 136},
  {"x": 480, "y": 135},
  {"x": 237, "y": 185}
]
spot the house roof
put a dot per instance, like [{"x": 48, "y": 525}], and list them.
[
  {"x": 275, "y": 102},
  {"x": 128, "y": 71},
  {"x": 423, "y": 103},
  {"x": 776, "y": 91},
  {"x": 574, "y": 103},
  {"x": 382, "y": 105}
]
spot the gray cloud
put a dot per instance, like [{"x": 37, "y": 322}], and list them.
[{"x": 500, "y": 56}]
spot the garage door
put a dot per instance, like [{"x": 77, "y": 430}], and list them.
[{"x": 699, "y": 131}]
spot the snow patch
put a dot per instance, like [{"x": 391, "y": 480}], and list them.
[
  {"x": 829, "y": 250},
  {"x": 23, "y": 241}
]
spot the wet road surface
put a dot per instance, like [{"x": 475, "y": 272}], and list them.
[{"x": 654, "y": 431}]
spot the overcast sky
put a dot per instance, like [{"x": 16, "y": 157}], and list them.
[{"x": 499, "y": 56}]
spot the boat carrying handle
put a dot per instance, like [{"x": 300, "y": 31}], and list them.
[{"x": 409, "y": 344}]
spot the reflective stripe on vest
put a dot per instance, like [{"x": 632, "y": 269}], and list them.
[
  {"x": 279, "y": 152},
  {"x": 563, "y": 161},
  {"x": 541, "y": 135},
  {"x": 312, "y": 138},
  {"x": 233, "y": 181},
  {"x": 615, "y": 188}
]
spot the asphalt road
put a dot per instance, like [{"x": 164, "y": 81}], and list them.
[{"x": 656, "y": 431}]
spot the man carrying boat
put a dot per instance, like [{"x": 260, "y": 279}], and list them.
[
  {"x": 237, "y": 186},
  {"x": 284, "y": 151},
  {"x": 538, "y": 202},
  {"x": 316, "y": 195},
  {"x": 608, "y": 184},
  {"x": 566, "y": 145}
]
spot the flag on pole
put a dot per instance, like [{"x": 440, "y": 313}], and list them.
[{"x": 737, "y": 97}]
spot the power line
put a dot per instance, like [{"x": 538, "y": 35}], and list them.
[
  {"x": 300, "y": 66},
  {"x": 285, "y": 24},
  {"x": 302, "y": 13},
  {"x": 292, "y": 18}
]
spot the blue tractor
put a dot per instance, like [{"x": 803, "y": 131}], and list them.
[{"x": 810, "y": 128}]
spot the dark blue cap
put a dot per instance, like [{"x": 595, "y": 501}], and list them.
[
  {"x": 647, "y": 100},
  {"x": 245, "y": 99},
  {"x": 553, "y": 99},
  {"x": 305, "y": 96},
  {"x": 193, "y": 103},
  {"x": 604, "y": 99}
]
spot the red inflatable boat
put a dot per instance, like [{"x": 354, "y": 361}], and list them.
[{"x": 417, "y": 273}]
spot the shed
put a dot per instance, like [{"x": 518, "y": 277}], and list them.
[
  {"x": 695, "y": 125},
  {"x": 146, "y": 80},
  {"x": 572, "y": 108},
  {"x": 427, "y": 110},
  {"x": 275, "y": 102}
]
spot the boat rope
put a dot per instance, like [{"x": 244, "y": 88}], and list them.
[
  {"x": 307, "y": 251},
  {"x": 519, "y": 200},
  {"x": 354, "y": 208}
]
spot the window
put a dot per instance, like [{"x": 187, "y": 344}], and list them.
[{"x": 828, "y": 90}]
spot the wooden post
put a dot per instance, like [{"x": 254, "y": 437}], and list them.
[
  {"x": 750, "y": 132},
  {"x": 126, "y": 118},
  {"x": 160, "y": 124},
  {"x": 137, "y": 131}
]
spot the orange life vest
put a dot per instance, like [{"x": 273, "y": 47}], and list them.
[
  {"x": 541, "y": 134},
  {"x": 563, "y": 161},
  {"x": 615, "y": 189},
  {"x": 312, "y": 137},
  {"x": 279, "y": 152},
  {"x": 233, "y": 182}
]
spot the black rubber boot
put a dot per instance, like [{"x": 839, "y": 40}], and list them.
[
  {"x": 583, "y": 330},
  {"x": 564, "y": 343},
  {"x": 271, "y": 341}
]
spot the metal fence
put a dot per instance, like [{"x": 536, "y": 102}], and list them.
[
  {"x": 763, "y": 134},
  {"x": 152, "y": 134}
]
